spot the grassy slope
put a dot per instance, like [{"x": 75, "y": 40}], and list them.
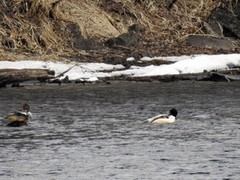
[{"x": 39, "y": 27}]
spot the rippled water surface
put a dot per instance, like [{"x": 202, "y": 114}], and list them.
[{"x": 99, "y": 132}]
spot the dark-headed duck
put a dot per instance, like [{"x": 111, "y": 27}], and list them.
[{"x": 164, "y": 118}]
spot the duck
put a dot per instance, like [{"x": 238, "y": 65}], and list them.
[
  {"x": 164, "y": 118},
  {"x": 19, "y": 118}
]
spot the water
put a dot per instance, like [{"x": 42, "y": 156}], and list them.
[{"x": 99, "y": 132}]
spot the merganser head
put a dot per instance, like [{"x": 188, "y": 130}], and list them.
[
  {"x": 26, "y": 107},
  {"x": 173, "y": 112}
]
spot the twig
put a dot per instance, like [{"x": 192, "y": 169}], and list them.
[{"x": 64, "y": 72}]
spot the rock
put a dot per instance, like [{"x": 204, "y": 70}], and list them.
[
  {"x": 81, "y": 81},
  {"x": 215, "y": 28},
  {"x": 16, "y": 85},
  {"x": 237, "y": 10},
  {"x": 228, "y": 20},
  {"x": 210, "y": 42},
  {"x": 79, "y": 41},
  {"x": 219, "y": 77},
  {"x": 214, "y": 76},
  {"x": 131, "y": 38},
  {"x": 66, "y": 80}
]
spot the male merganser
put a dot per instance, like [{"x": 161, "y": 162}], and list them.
[
  {"x": 19, "y": 118},
  {"x": 164, "y": 118}
]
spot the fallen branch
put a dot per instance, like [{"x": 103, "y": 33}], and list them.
[
  {"x": 9, "y": 76},
  {"x": 64, "y": 72}
]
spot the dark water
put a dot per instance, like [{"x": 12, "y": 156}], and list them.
[{"x": 98, "y": 132}]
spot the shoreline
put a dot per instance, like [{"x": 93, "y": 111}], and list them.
[
  {"x": 71, "y": 87},
  {"x": 199, "y": 77},
  {"x": 164, "y": 69}
]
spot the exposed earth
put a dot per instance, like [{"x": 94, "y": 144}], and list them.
[{"x": 110, "y": 31}]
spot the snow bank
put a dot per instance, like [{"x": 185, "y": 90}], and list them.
[
  {"x": 182, "y": 64},
  {"x": 77, "y": 70},
  {"x": 196, "y": 64}
]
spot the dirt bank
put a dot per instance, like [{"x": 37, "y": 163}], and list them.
[{"x": 103, "y": 31}]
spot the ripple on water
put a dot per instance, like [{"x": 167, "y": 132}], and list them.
[{"x": 84, "y": 132}]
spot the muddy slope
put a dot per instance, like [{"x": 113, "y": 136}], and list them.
[{"x": 106, "y": 31}]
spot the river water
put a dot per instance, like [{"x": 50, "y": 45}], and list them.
[{"x": 99, "y": 132}]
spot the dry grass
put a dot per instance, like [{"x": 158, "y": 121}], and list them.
[
  {"x": 39, "y": 26},
  {"x": 28, "y": 25},
  {"x": 92, "y": 20},
  {"x": 186, "y": 17},
  {"x": 230, "y": 4}
]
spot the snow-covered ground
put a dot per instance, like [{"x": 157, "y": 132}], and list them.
[{"x": 91, "y": 71}]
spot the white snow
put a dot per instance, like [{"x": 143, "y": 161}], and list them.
[
  {"x": 130, "y": 59},
  {"x": 170, "y": 58},
  {"x": 92, "y": 71},
  {"x": 184, "y": 64},
  {"x": 196, "y": 65},
  {"x": 88, "y": 71}
]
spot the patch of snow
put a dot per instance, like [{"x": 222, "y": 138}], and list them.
[
  {"x": 130, "y": 59},
  {"x": 146, "y": 58},
  {"x": 93, "y": 71},
  {"x": 169, "y": 58},
  {"x": 93, "y": 79},
  {"x": 196, "y": 64}
]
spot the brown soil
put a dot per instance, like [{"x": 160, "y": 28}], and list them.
[{"x": 77, "y": 30}]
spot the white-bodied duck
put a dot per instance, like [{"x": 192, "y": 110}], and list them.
[
  {"x": 164, "y": 118},
  {"x": 19, "y": 118}
]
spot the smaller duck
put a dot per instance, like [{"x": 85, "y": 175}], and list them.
[
  {"x": 164, "y": 118},
  {"x": 19, "y": 118}
]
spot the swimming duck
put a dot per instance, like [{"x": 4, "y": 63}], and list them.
[
  {"x": 19, "y": 118},
  {"x": 164, "y": 118}
]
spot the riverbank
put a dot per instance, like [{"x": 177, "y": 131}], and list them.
[
  {"x": 102, "y": 41},
  {"x": 109, "y": 32},
  {"x": 166, "y": 69}
]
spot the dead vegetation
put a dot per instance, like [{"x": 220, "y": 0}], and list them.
[
  {"x": 28, "y": 25},
  {"x": 41, "y": 27}
]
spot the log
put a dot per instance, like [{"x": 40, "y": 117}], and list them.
[
  {"x": 162, "y": 78},
  {"x": 209, "y": 42},
  {"x": 9, "y": 76},
  {"x": 226, "y": 76}
]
